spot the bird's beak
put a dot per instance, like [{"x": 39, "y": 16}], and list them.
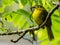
[{"x": 32, "y": 8}]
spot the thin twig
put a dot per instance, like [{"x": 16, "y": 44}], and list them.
[
  {"x": 19, "y": 37},
  {"x": 11, "y": 33},
  {"x": 56, "y": 3}
]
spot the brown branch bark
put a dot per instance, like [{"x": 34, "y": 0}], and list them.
[{"x": 19, "y": 37}]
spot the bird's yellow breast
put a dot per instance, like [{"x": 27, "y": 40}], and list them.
[{"x": 37, "y": 16}]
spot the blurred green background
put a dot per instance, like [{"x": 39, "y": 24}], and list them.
[{"x": 16, "y": 14}]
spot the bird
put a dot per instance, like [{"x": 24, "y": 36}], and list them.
[{"x": 39, "y": 15}]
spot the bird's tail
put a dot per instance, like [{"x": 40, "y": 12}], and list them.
[{"x": 50, "y": 33}]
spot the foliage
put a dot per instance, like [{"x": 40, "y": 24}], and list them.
[{"x": 22, "y": 19}]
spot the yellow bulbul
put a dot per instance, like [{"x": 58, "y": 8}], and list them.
[{"x": 39, "y": 15}]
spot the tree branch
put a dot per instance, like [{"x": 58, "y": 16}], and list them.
[
  {"x": 19, "y": 37},
  {"x": 17, "y": 32},
  {"x": 56, "y": 3}
]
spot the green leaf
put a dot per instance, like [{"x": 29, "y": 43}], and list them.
[
  {"x": 43, "y": 2},
  {"x": 7, "y": 2},
  {"x": 16, "y": 1},
  {"x": 2, "y": 9},
  {"x": 55, "y": 42},
  {"x": 23, "y": 12},
  {"x": 42, "y": 34},
  {"x": 24, "y": 2},
  {"x": 30, "y": 2},
  {"x": 40, "y": 1},
  {"x": 45, "y": 42},
  {"x": 16, "y": 19},
  {"x": 49, "y": 5},
  {"x": 24, "y": 18},
  {"x": 22, "y": 22},
  {"x": 3, "y": 30}
]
